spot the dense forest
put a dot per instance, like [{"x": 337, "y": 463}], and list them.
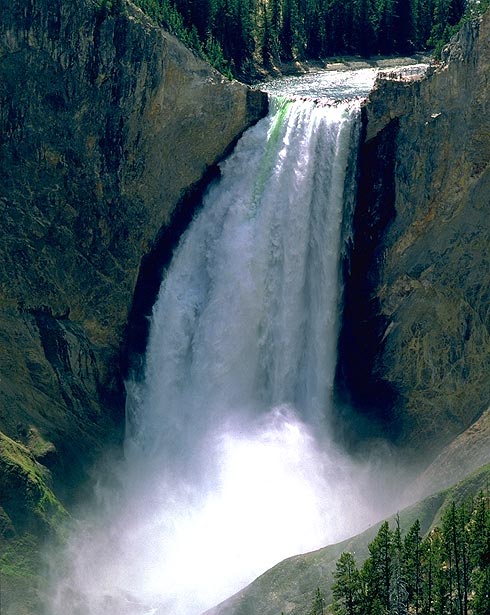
[
  {"x": 238, "y": 36},
  {"x": 446, "y": 572}
]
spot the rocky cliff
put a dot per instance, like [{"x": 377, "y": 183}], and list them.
[
  {"x": 108, "y": 130},
  {"x": 418, "y": 295},
  {"x": 107, "y": 125}
]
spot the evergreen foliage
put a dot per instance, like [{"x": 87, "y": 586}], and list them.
[
  {"x": 234, "y": 35},
  {"x": 318, "y": 606},
  {"x": 445, "y": 573}
]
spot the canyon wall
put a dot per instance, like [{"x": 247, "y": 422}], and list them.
[
  {"x": 107, "y": 125},
  {"x": 415, "y": 349}
]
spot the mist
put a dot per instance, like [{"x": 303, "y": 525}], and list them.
[
  {"x": 230, "y": 464},
  {"x": 148, "y": 544}
]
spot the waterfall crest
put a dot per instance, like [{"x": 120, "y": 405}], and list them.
[{"x": 229, "y": 463}]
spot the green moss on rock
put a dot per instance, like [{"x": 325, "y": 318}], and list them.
[
  {"x": 29, "y": 513},
  {"x": 28, "y": 500}
]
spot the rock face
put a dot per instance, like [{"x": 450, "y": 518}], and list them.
[
  {"x": 106, "y": 123},
  {"x": 418, "y": 298}
]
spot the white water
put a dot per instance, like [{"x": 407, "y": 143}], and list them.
[
  {"x": 334, "y": 86},
  {"x": 230, "y": 466},
  {"x": 246, "y": 317}
]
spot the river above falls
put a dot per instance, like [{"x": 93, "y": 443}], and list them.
[{"x": 338, "y": 85}]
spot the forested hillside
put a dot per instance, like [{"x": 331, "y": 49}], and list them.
[
  {"x": 240, "y": 35},
  {"x": 447, "y": 571}
]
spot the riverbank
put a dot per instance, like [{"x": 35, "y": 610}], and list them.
[{"x": 340, "y": 63}]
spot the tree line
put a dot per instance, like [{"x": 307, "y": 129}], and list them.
[
  {"x": 237, "y": 36},
  {"x": 447, "y": 572}
]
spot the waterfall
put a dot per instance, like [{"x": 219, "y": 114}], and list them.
[
  {"x": 230, "y": 465},
  {"x": 246, "y": 317}
]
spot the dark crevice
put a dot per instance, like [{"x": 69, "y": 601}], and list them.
[
  {"x": 152, "y": 269},
  {"x": 157, "y": 260},
  {"x": 365, "y": 400}
]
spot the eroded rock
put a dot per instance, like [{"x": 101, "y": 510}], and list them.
[{"x": 426, "y": 285}]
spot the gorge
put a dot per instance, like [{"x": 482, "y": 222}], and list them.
[
  {"x": 86, "y": 194},
  {"x": 230, "y": 461}
]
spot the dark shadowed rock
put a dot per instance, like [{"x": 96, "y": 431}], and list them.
[{"x": 422, "y": 319}]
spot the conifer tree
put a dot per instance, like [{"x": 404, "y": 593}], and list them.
[
  {"x": 398, "y": 585},
  {"x": 412, "y": 564},
  {"x": 347, "y": 588},
  {"x": 446, "y": 573},
  {"x": 265, "y": 31},
  {"x": 318, "y": 606},
  {"x": 479, "y": 555},
  {"x": 378, "y": 573}
]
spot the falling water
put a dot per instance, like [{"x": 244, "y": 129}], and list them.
[
  {"x": 246, "y": 317},
  {"x": 230, "y": 465}
]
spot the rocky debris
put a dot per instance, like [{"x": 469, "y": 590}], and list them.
[{"x": 468, "y": 452}]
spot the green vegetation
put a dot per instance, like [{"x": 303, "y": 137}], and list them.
[
  {"x": 20, "y": 566},
  {"x": 445, "y": 573},
  {"x": 450, "y": 17},
  {"x": 205, "y": 45},
  {"x": 28, "y": 485},
  {"x": 238, "y": 35},
  {"x": 29, "y": 512}
]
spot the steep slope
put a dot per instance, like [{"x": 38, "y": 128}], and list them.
[
  {"x": 418, "y": 295},
  {"x": 290, "y": 586},
  {"x": 106, "y": 124},
  {"x": 469, "y": 451}
]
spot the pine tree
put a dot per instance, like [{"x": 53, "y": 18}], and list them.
[
  {"x": 479, "y": 537},
  {"x": 481, "y": 596},
  {"x": 336, "y": 27},
  {"x": 386, "y": 28},
  {"x": 377, "y": 569},
  {"x": 412, "y": 564},
  {"x": 425, "y": 15},
  {"x": 347, "y": 589},
  {"x": 362, "y": 34},
  {"x": 446, "y": 573},
  {"x": 453, "y": 524},
  {"x": 315, "y": 32},
  {"x": 479, "y": 555},
  {"x": 318, "y": 606},
  {"x": 287, "y": 36},
  {"x": 398, "y": 585},
  {"x": 403, "y": 26}
]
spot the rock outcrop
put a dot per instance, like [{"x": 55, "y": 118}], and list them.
[
  {"x": 418, "y": 297},
  {"x": 106, "y": 124}
]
